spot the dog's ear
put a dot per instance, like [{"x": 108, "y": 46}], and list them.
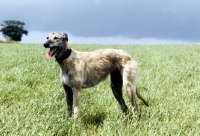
[{"x": 65, "y": 36}]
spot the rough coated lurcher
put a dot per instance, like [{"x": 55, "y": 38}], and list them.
[{"x": 86, "y": 69}]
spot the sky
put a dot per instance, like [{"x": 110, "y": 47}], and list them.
[{"x": 107, "y": 21}]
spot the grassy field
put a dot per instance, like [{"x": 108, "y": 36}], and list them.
[{"x": 32, "y": 99}]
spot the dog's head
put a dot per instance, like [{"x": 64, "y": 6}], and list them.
[{"x": 57, "y": 42}]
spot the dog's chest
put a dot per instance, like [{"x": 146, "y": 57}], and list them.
[{"x": 65, "y": 79}]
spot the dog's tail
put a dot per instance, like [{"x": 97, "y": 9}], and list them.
[{"x": 141, "y": 98}]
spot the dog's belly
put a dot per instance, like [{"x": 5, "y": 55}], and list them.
[
  {"x": 90, "y": 82},
  {"x": 86, "y": 83},
  {"x": 66, "y": 81}
]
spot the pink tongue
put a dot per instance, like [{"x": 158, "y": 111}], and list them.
[
  {"x": 48, "y": 56},
  {"x": 50, "y": 53}
]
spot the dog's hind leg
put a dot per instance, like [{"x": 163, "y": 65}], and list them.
[
  {"x": 69, "y": 98},
  {"x": 116, "y": 86},
  {"x": 129, "y": 83}
]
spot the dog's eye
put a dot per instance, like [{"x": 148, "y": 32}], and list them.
[
  {"x": 47, "y": 38},
  {"x": 55, "y": 38}
]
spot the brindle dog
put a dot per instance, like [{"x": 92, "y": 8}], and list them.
[{"x": 86, "y": 69}]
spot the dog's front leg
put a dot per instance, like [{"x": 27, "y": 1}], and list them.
[
  {"x": 77, "y": 101},
  {"x": 69, "y": 98}
]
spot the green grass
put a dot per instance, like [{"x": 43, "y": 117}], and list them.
[{"x": 32, "y": 99}]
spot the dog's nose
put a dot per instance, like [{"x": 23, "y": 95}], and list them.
[{"x": 46, "y": 45}]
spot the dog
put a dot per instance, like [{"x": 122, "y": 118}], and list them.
[{"x": 85, "y": 69}]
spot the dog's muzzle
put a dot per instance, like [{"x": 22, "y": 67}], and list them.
[{"x": 46, "y": 45}]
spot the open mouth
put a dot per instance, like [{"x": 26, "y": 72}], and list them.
[{"x": 51, "y": 52}]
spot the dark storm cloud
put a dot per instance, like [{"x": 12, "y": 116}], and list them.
[{"x": 172, "y": 19}]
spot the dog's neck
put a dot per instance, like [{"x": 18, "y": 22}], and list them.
[{"x": 65, "y": 55}]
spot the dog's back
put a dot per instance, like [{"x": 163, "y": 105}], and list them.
[{"x": 100, "y": 63}]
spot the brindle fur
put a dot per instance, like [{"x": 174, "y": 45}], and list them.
[{"x": 86, "y": 69}]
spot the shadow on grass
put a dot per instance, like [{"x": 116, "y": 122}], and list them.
[{"x": 95, "y": 120}]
